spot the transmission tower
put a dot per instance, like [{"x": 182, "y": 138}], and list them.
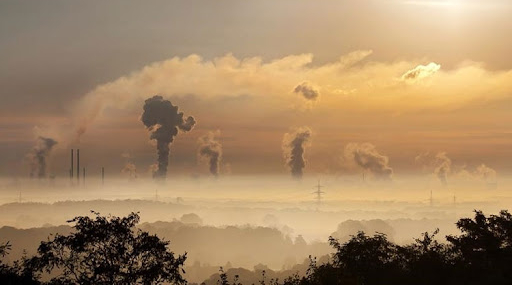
[{"x": 319, "y": 193}]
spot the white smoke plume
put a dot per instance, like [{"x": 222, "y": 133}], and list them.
[
  {"x": 366, "y": 157},
  {"x": 211, "y": 150}
]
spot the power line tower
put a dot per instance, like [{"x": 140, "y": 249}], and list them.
[{"x": 319, "y": 193}]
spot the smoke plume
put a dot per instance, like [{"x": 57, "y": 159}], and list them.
[
  {"x": 130, "y": 169},
  {"x": 486, "y": 173},
  {"x": 440, "y": 162},
  {"x": 211, "y": 149},
  {"x": 307, "y": 91},
  {"x": 294, "y": 146},
  {"x": 367, "y": 157},
  {"x": 163, "y": 120},
  {"x": 39, "y": 154}
]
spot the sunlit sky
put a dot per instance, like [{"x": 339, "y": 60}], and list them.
[{"x": 406, "y": 76}]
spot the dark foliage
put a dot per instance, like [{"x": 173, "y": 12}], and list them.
[
  {"x": 108, "y": 250},
  {"x": 482, "y": 254},
  {"x": 17, "y": 273}
]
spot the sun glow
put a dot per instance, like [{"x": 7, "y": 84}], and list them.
[{"x": 435, "y": 3}]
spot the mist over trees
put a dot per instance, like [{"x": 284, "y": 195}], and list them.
[{"x": 109, "y": 250}]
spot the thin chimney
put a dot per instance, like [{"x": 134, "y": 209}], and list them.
[
  {"x": 102, "y": 175},
  {"x": 84, "y": 176},
  {"x": 78, "y": 165},
  {"x": 72, "y": 154}
]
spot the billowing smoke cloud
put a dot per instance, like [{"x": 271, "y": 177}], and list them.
[
  {"x": 421, "y": 71},
  {"x": 39, "y": 154},
  {"x": 164, "y": 120},
  {"x": 307, "y": 91},
  {"x": 440, "y": 162},
  {"x": 367, "y": 157},
  {"x": 294, "y": 145},
  {"x": 211, "y": 149}
]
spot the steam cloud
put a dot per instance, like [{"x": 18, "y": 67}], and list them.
[
  {"x": 294, "y": 146},
  {"x": 421, "y": 71},
  {"x": 307, "y": 91},
  {"x": 163, "y": 120},
  {"x": 211, "y": 149},
  {"x": 440, "y": 162},
  {"x": 39, "y": 154},
  {"x": 367, "y": 157}
]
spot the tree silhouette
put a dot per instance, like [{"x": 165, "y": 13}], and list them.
[
  {"x": 484, "y": 249},
  {"x": 17, "y": 273},
  {"x": 108, "y": 250}
]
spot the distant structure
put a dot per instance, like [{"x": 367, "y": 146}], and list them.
[
  {"x": 102, "y": 175},
  {"x": 71, "y": 170},
  {"x": 431, "y": 199},
  {"x": 78, "y": 166},
  {"x": 84, "y": 176},
  {"x": 319, "y": 193}
]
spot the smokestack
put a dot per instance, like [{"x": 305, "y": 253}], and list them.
[
  {"x": 72, "y": 154},
  {"x": 78, "y": 165},
  {"x": 102, "y": 175},
  {"x": 84, "y": 176}
]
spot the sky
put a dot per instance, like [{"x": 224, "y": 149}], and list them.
[{"x": 395, "y": 78}]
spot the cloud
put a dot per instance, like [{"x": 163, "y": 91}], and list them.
[
  {"x": 365, "y": 156},
  {"x": 307, "y": 91},
  {"x": 353, "y": 83},
  {"x": 421, "y": 72}
]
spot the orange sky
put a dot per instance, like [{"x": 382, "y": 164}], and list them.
[{"x": 406, "y": 76}]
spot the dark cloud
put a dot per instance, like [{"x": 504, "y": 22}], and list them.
[
  {"x": 294, "y": 147},
  {"x": 307, "y": 91},
  {"x": 163, "y": 120}
]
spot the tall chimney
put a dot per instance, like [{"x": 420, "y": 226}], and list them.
[
  {"x": 102, "y": 175},
  {"x": 84, "y": 176},
  {"x": 78, "y": 165},
  {"x": 72, "y": 154}
]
